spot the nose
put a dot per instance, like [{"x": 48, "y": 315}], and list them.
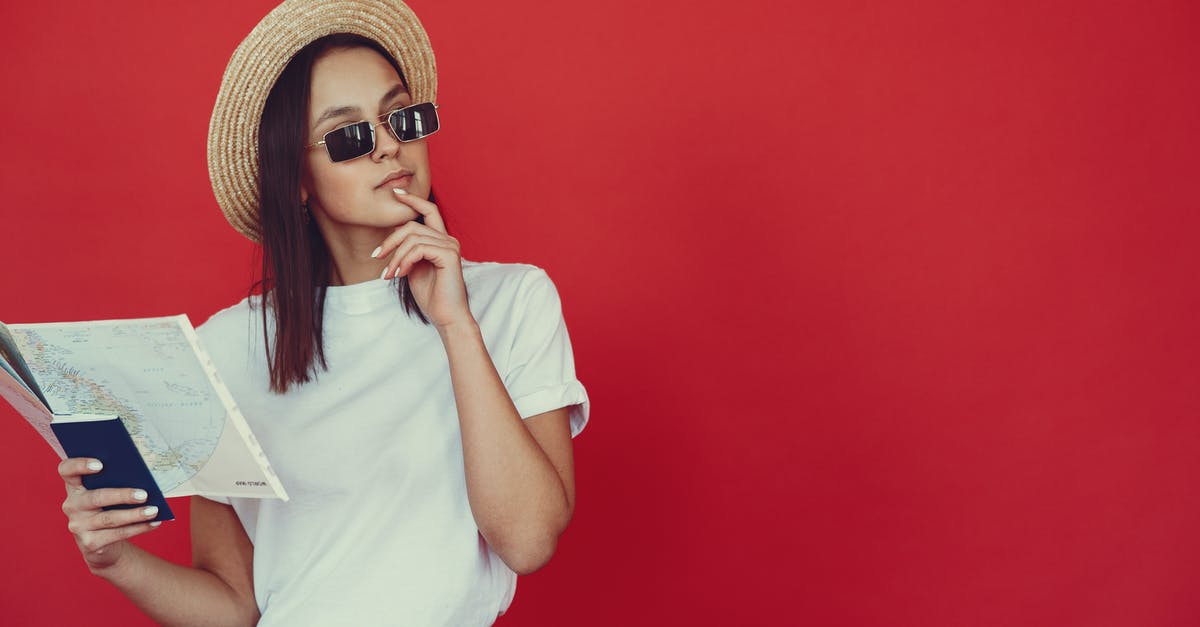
[{"x": 385, "y": 142}]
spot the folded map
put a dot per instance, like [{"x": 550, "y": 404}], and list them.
[{"x": 155, "y": 376}]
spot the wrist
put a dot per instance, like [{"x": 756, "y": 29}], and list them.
[
  {"x": 460, "y": 329},
  {"x": 113, "y": 571}
]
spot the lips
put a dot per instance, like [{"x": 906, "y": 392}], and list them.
[{"x": 396, "y": 179}]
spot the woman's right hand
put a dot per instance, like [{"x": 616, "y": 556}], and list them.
[{"x": 101, "y": 535}]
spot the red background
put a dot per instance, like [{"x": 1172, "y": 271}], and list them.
[{"x": 885, "y": 310}]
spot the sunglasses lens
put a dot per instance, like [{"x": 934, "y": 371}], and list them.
[
  {"x": 350, "y": 141},
  {"x": 414, "y": 122}
]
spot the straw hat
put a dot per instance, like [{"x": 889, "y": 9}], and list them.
[{"x": 260, "y": 59}]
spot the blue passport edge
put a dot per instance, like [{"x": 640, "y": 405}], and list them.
[{"x": 109, "y": 442}]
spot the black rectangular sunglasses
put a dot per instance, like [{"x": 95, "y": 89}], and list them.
[{"x": 355, "y": 140}]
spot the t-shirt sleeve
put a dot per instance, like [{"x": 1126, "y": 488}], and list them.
[
  {"x": 219, "y": 499},
  {"x": 541, "y": 367}
]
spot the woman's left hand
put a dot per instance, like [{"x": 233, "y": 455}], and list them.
[{"x": 430, "y": 257}]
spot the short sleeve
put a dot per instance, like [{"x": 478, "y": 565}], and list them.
[
  {"x": 541, "y": 368},
  {"x": 224, "y": 500}
]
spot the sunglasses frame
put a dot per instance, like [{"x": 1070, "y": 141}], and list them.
[{"x": 382, "y": 119}]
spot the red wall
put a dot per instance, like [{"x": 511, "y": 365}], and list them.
[{"x": 885, "y": 311}]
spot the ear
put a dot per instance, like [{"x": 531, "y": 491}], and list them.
[{"x": 305, "y": 183}]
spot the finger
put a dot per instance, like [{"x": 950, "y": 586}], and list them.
[
  {"x": 433, "y": 217},
  {"x": 96, "y": 541},
  {"x": 71, "y": 468},
  {"x": 397, "y": 236},
  {"x": 90, "y": 500},
  {"x": 113, "y": 518},
  {"x": 439, "y": 256},
  {"x": 411, "y": 252},
  {"x": 412, "y": 243}
]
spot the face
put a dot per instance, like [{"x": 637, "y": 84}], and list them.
[{"x": 350, "y": 85}]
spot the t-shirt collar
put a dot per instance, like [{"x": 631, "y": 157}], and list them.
[{"x": 361, "y": 298}]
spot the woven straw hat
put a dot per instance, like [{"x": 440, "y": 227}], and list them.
[{"x": 259, "y": 60}]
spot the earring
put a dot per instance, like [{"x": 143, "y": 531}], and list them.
[{"x": 304, "y": 211}]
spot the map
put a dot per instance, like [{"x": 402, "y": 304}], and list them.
[
  {"x": 75, "y": 367},
  {"x": 150, "y": 372}
]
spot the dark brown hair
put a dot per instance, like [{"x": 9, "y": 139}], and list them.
[{"x": 295, "y": 258}]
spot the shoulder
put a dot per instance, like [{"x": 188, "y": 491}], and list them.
[
  {"x": 505, "y": 295},
  {"x": 235, "y": 326},
  {"x": 475, "y": 272},
  {"x": 493, "y": 279}
]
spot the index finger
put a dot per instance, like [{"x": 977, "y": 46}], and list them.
[
  {"x": 72, "y": 468},
  {"x": 433, "y": 218}
]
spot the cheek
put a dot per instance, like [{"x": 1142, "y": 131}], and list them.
[
  {"x": 419, "y": 157},
  {"x": 337, "y": 188}
]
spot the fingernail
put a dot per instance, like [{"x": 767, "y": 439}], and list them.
[
  {"x": 375, "y": 253},
  {"x": 139, "y": 495},
  {"x": 150, "y": 511},
  {"x": 384, "y": 273},
  {"x": 156, "y": 523},
  {"x": 95, "y": 465},
  {"x": 398, "y": 190}
]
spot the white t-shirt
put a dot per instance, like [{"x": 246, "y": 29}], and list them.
[{"x": 378, "y": 529}]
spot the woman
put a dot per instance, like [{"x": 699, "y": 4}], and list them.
[{"x": 418, "y": 407}]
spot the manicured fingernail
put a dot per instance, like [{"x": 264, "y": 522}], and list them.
[
  {"x": 139, "y": 495},
  {"x": 156, "y": 523},
  {"x": 384, "y": 275},
  {"x": 375, "y": 253},
  {"x": 150, "y": 511},
  {"x": 95, "y": 465},
  {"x": 398, "y": 190}
]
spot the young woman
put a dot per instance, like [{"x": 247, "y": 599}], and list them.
[{"x": 418, "y": 407}]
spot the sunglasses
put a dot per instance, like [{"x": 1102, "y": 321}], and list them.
[{"x": 355, "y": 140}]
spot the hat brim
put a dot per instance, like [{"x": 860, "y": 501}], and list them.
[{"x": 233, "y": 160}]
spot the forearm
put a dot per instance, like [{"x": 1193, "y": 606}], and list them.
[
  {"x": 171, "y": 594},
  {"x": 516, "y": 495}
]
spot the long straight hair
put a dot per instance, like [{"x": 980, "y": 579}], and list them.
[{"x": 295, "y": 258}]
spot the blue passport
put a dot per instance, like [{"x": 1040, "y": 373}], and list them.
[{"x": 105, "y": 438}]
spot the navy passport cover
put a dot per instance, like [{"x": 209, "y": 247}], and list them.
[{"x": 109, "y": 442}]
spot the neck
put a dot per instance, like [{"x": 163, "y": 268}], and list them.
[{"x": 350, "y": 254}]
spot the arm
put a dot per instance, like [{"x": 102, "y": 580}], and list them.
[
  {"x": 218, "y": 591},
  {"x": 520, "y": 474},
  {"x": 520, "y": 481}
]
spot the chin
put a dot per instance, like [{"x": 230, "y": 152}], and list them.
[{"x": 419, "y": 189}]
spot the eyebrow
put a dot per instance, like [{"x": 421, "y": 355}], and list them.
[{"x": 334, "y": 112}]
